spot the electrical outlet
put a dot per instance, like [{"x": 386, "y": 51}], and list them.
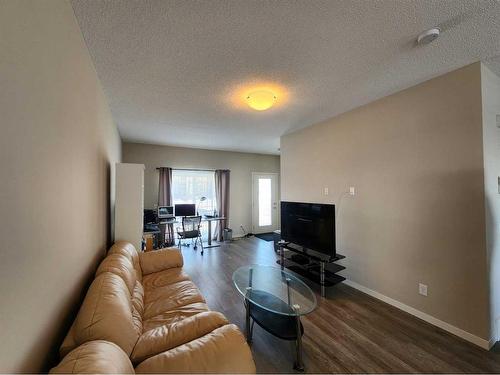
[
  {"x": 325, "y": 191},
  {"x": 422, "y": 289},
  {"x": 352, "y": 191}
]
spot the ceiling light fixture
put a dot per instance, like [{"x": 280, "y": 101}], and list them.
[
  {"x": 260, "y": 100},
  {"x": 428, "y": 36}
]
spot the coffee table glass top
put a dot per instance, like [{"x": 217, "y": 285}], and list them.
[{"x": 274, "y": 290}]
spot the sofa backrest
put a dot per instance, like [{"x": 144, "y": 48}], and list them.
[
  {"x": 127, "y": 249},
  {"x": 106, "y": 314},
  {"x": 95, "y": 357},
  {"x": 120, "y": 265}
]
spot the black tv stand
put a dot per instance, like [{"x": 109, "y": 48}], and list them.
[{"x": 310, "y": 266}]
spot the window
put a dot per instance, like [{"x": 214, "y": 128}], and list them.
[
  {"x": 265, "y": 202},
  {"x": 190, "y": 186}
]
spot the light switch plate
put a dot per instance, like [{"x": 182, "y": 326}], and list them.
[{"x": 422, "y": 289}]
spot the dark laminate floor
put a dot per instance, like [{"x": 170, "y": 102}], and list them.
[{"x": 350, "y": 332}]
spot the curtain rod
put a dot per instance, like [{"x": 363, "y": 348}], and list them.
[{"x": 192, "y": 169}]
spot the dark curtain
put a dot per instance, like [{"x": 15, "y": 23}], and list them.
[
  {"x": 165, "y": 187},
  {"x": 165, "y": 199},
  {"x": 222, "y": 198}
]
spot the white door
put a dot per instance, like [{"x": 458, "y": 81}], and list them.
[{"x": 264, "y": 202}]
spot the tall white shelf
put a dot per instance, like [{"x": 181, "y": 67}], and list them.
[{"x": 129, "y": 203}]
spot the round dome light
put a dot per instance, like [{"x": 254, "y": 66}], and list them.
[
  {"x": 260, "y": 100},
  {"x": 428, "y": 36}
]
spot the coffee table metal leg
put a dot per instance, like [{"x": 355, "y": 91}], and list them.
[
  {"x": 298, "y": 365},
  {"x": 248, "y": 329}
]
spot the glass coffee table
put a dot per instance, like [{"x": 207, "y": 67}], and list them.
[{"x": 275, "y": 300}]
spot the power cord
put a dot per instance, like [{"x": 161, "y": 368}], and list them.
[{"x": 245, "y": 234}]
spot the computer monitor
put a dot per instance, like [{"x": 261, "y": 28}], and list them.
[
  {"x": 185, "y": 210},
  {"x": 165, "y": 212}
]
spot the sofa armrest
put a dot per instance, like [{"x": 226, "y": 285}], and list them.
[
  {"x": 223, "y": 350},
  {"x": 166, "y": 337},
  {"x": 95, "y": 357},
  {"x": 159, "y": 260}
]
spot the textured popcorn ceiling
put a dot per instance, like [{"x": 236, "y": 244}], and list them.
[{"x": 173, "y": 70}]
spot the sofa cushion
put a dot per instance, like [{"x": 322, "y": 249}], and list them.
[
  {"x": 159, "y": 260},
  {"x": 169, "y": 297},
  {"x": 106, "y": 314},
  {"x": 174, "y": 315},
  {"x": 95, "y": 357},
  {"x": 127, "y": 249},
  {"x": 224, "y": 350},
  {"x": 120, "y": 265},
  {"x": 162, "y": 278},
  {"x": 169, "y": 336}
]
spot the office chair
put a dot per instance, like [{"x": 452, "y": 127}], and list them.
[{"x": 190, "y": 230}]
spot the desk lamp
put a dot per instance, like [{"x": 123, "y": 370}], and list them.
[{"x": 202, "y": 199}]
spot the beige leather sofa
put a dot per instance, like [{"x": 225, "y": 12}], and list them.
[{"x": 143, "y": 314}]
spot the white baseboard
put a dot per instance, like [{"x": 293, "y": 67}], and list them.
[{"x": 485, "y": 344}]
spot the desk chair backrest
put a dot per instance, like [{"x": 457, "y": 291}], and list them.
[
  {"x": 191, "y": 230},
  {"x": 191, "y": 223}
]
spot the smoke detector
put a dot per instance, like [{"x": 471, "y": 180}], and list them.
[{"x": 428, "y": 36}]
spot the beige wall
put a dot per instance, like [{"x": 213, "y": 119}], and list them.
[
  {"x": 241, "y": 165},
  {"x": 491, "y": 140},
  {"x": 415, "y": 159},
  {"x": 58, "y": 145}
]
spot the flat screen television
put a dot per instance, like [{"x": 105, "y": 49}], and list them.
[
  {"x": 185, "y": 210},
  {"x": 311, "y": 225}
]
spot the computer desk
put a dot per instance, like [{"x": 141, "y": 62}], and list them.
[{"x": 208, "y": 219}]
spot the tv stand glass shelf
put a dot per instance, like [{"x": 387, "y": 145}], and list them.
[{"x": 310, "y": 266}]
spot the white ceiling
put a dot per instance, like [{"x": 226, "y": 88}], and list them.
[{"x": 171, "y": 69}]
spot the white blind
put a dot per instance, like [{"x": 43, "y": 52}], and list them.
[{"x": 191, "y": 186}]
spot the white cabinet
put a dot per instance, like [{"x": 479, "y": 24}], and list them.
[{"x": 129, "y": 203}]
